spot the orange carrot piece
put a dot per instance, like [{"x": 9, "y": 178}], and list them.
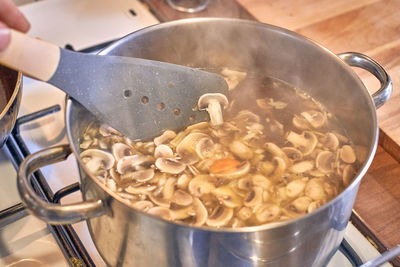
[{"x": 221, "y": 165}]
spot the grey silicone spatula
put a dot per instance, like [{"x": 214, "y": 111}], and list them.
[{"x": 138, "y": 97}]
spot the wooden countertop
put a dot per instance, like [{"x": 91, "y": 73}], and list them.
[{"x": 371, "y": 27}]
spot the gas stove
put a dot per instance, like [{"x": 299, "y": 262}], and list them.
[{"x": 84, "y": 25}]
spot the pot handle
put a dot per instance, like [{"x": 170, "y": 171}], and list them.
[
  {"x": 365, "y": 62},
  {"x": 49, "y": 212}
]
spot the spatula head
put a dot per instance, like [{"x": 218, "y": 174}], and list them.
[{"x": 140, "y": 98}]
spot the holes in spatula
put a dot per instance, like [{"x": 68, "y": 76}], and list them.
[
  {"x": 192, "y": 118},
  {"x": 161, "y": 106},
  {"x": 177, "y": 111},
  {"x": 144, "y": 100},
  {"x": 127, "y": 93}
]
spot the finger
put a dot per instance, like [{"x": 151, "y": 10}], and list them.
[
  {"x": 11, "y": 16},
  {"x": 4, "y": 36}
]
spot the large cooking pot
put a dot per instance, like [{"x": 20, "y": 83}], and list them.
[
  {"x": 10, "y": 99},
  {"x": 127, "y": 237}
]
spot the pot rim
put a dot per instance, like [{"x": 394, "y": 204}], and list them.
[
  {"x": 17, "y": 87},
  {"x": 363, "y": 169}
]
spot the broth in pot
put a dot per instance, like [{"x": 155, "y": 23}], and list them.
[{"x": 276, "y": 154}]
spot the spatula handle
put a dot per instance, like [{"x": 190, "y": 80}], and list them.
[{"x": 35, "y": 58}]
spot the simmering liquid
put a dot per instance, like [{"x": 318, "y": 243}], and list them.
[{"x": 278, "y": 155}]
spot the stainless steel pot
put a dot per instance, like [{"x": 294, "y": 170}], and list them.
[
  {"x": 126, "y": 237},
  {"x": 10, "y": 99}
]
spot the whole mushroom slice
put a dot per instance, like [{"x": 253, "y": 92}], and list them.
[
  {"x": 96, "y": 159},
  {"x": 200, "y": 212},
  {"x": 213, "y": 103},
  {"x": 220, "y": 216},
  {"x": 315, "y": 118},
  {"x": 305, "y": 142},
  {"x": 130, "y": 163},
  {"x": 227, "y": 197},
  {"x": 169, "y": 165},
  {"x": 140, "y": 190},
  {"x": 161, "y": 212},
  {"x": 169, "y": 188},
  {"x": 261, "y": 181},
  {"x": 279, "y": 167},
  {"x": 120, "y": 150},
  {"x": 276, "y": 151},
  {"x": 159, "y": 200},
  {"x": 166, "y": 136}
]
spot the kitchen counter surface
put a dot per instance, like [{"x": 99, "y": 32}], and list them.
[{"x": 371, "y": 27}]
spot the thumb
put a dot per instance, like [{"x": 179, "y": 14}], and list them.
[{"x": 5, "y": 36}]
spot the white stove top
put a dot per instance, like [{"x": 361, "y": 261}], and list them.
[{"x": 28, "y": 241}]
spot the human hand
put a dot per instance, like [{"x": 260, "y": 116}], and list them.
[{"x": 10, "y": 17}]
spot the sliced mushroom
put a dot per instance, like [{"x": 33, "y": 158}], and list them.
[
  {"x": 170, "y": 165},
  {"x": 314, "y": 189},
  {"x": 247, "y": 116},
  {"x": 279, "y": 169},
  {"x": 120, "y": 150},
  {"x": 143, "y": 205},
  {"x": 183, "y": 181},
  {"x": 130, "y": 163},
  {"x": 169, "y": 188},
  {"x": 269, "y": 103},
  {"x": 261, "y": 181},
  {"x": 300, "y": 122},
  {"x": 245, "y": 183},
  {"x": 233, "y": 77},
  {"x": 159, "y": 200},
  {"x": 254, "y": 197},
  {"x": 347, "y": 154},
  {"x": 145, "y": 189},
  {"x": 213, "y": 103},
  {"x": 200, "y": 212},
  {"x": 205, "y": 148},
  {"x": 313, "y": 206},
  {"x": 181, "y": 213},
  {"x": 303, "y": 166},
  {"x": 160, "y": 212},
  {"x": 293, "y": 153},
  {"x": 220, "y": 216},
  {"x": 276, "y": 151},
  {"x": 241, "y": 150},
  {"x": 140, "y": 176},
  {"x": 181, "y": 198},
  {"x": 106, "y": 130},
  {"x": 201, "y": 184},
  {"x": 315, "y": 118},
  {"x": 267, "y": 212},
  {"x": 96, "y": 159},
  {"x": 296, "y": 187},
  {"x": 166, "y": 136},
  {"x": 305, "y": 142},
  {"x": 163, "y": 151},
  {"x": 330, "y": 141},
  {"x": 301, "y": 204},
  {"x": 227, "y": 197},
  {"x": 244, "y": 213},
  {"x": 186, "y": 149},
  {"x": 348, "y": 174},
  {"x": 324, "y": 161}
]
